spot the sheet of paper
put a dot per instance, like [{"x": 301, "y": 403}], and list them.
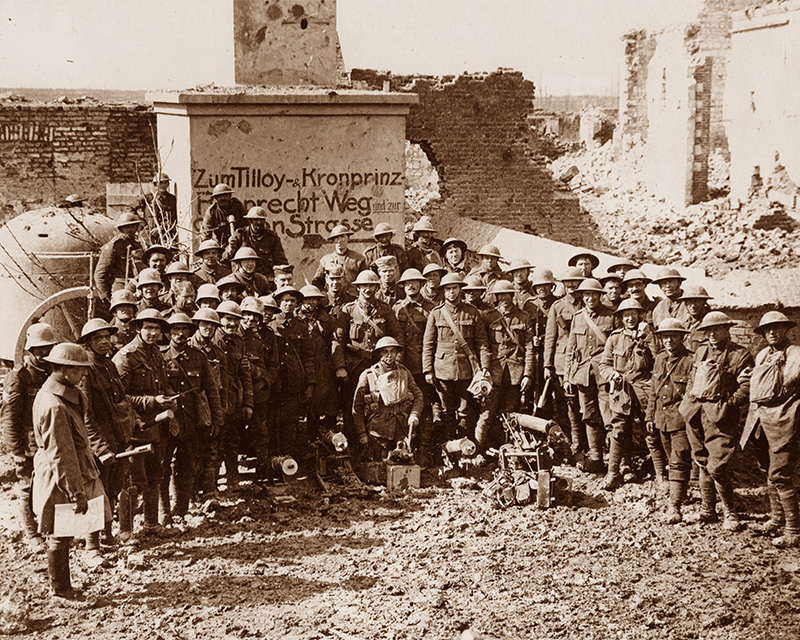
[{"x": 70, "y": 524}]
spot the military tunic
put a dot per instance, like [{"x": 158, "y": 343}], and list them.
[
  {"x": 267, "y": 245},
  {"x": 109, "y": 274}
]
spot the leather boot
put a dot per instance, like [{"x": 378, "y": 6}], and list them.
[
  {"x": 26, "y": 515},
  {"x": 92, "y": 557},
  {"x": 776, "y": 519},
  {"x": 677, "y": 496},
  {"x": 150, "y": 498},
  {"x": 164, "y": 508},
  {"x": 791, "y": 534},
  {"x": 182, "y": 495},
  {"x": 125, "y": 513},
  {"x": 209, "y": 483},
  {"x": 232, "y": 471},
  {"x": 708, "y": 498},
  {"x": 596, "y": 435},
  {"x": 58, "y": 570},
  {"x": 728, "y": 500},
  {"x": 613, "y": 477}
]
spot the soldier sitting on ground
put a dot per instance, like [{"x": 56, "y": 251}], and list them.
[{"x": 387, "y": 402}]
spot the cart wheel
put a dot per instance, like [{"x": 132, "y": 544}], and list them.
[{"x": 66, "y": 311}]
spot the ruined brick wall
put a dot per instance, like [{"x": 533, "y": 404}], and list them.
[
  {"x": 639, "y": 47},
  {"x": 474, "y": 130},
  {"x": 48, "y": 151}
]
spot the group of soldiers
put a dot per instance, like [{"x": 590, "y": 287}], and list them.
[{"x": 205, "y": 363}]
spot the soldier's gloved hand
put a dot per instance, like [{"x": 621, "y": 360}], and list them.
[
  {"x": 81, "y": 504},
  {"x": 341, "y": 373},
  {"x": 309, "y": 394},
  {"x": 429, "y": 378},
  {"x": 525, "y": 384},
  {"x": 650, "y": 426},
  {"x": 247, "y": 412},
  {"x": 548, "y": 373}
]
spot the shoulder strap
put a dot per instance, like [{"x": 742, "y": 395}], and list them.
[
  {"x": 460, "y": 339},
  {"x": 509, "y": 332},
  {"x": 372, "y": 380},
  {"x": 602, "y": 337},
  {"x": 372, "y": 323},
  {"x": 657, "y": 390}
]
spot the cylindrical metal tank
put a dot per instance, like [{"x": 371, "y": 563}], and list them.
[{"x": 43, "y": 252}]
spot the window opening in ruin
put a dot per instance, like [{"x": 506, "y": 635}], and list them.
[{"x": 422, "y": 178}]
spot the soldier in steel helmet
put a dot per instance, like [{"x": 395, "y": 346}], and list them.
[
  {"x": 245, "y": 270},
  {"x": 360, "y": 324},
  {"x": 144, "y": 377},
  {"x": 261, "y": 349},
  {"x": 159, "y": 210},
  {"x": 239, "y": 403},
  {"x": 672, "y": 304},
  {"x": 510, "y": 335},
  {"x": 626, "y": 365},
  {"x": 433, "y": 276},
  {"x": 695, "y": 298},
  {"x": 224, "y": 212},
  {"x": 671, "y": 369},
  {"x": 208, "y": 323},
  {"x": 297, "y": 374},
  {"x": 559, "y": 321},
  {"x": 324, "y": 405},
  {"x": 16, "y": 417},
  {"x": 149, "y": 285},
  {"x": 385, "y": 247},
  {"x": 423, "y": 250},
  {"x": 258, "y": 236},
  {"x": 454, "y": 350},
  {"x": 454, "y": 256},
  {"x": 590, "y": 329},
  {"x": 123, "y": 309},
  {"x": 489, "y": 268},
  {"x": 412, "y": 313},
  {"x": 349, "y": 260},
  {"x": 210, "y": 269},
  {"x": 198, "y": 416},
  {"x": 387, "y": 403},
  {"x": 717, "y": 392},
  {"x": 519, "y": 272},
  {"x": 118, "y": 256},
  {"x": 64, "y": 468},
  {"x": 774, "y": 409}
]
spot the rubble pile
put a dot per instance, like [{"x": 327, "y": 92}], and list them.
[{"x": 710, "y": 235}]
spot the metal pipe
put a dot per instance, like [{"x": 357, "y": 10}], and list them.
[
  {"x": 461, "y": 446},
  {"x": 284, "y": 464},
  {"x": 336, "y": 440}
]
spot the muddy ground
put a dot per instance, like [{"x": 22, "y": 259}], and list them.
[{"x": 429, "y": 563}]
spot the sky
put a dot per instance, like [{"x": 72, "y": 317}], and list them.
[{"x": 563, "y": 46}]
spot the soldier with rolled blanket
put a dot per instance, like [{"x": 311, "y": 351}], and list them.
[
  {"x": 387, "y": 402},
  {"x": 671, "y": 369},
  {"x": 718, "y": 390},
  {"x": 626, "y": 365},
  {"x": 774, "y": 410},
  {"x": 590, "y": 329}
]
